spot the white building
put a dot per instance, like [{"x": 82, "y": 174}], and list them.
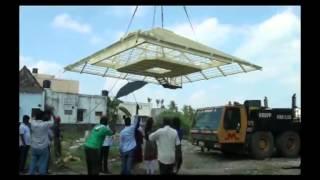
[
  {"x": 73, "y": 108},
  {"x": 58, "y": 85},
  {"x": 76, "y": 108},
  {"x": 31, "y": 97},
  {"x": 144, "y": 110}
]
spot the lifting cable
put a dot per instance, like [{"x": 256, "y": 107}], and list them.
[
  {"x": 154, "y": 16},
  {"x": 185, "y": 10},
  {"x": 162, "y": 17},
  {"x": 130, "y": 22},
  {"x": 135, "y": 10}
]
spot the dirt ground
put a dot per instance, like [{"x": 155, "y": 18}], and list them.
[
  {"x": 196, "y": 162},
  {"x": 215, "y": 163}
]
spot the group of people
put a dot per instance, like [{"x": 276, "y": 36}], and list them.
[
  {"x": 162, "y": 145},
  {"x": 38, "y": 135}
]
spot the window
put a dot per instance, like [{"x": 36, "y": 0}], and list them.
[
  {"x": 80, "y": 114},
  {"x": 231, "y": 118},
  {"x": 98, "y": 116},
  {"x": 98, "y": 113},
  {"x": 68, "y": 112},
  {"x": 208, "y": 119}
]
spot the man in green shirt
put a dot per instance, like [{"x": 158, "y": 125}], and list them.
[{"x": 94, "y": 143}]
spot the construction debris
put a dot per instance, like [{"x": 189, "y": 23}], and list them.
[{"x": 71, "y": 158}]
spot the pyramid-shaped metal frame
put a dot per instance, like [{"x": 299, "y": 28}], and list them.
[{"x": 156, "y": 44}]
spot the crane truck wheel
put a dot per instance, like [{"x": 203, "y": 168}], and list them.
[
  {"x": 261, "y": 145},
  {"x": 288, "y": 144}
]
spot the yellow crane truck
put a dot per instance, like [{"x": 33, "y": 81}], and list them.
[{"x": 249, "y": 128}]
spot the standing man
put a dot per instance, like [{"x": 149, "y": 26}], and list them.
[
  {"x": 94, "y": 143},
  {"x": 50, "y": 135},
  {"x": 40, "y": 142},
  {"x": 57, "y": 137},
  {"x": 138, "y": 156},
  {"x": 176, "y": 126},
  {"x": 167, "y": 143},
  {"x": 128, "y": 144},
  {"x": 24, "y": 132},
  {"x": 107, "y": 143}
]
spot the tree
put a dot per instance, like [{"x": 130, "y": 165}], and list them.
[
  {"x": 184, "y": 123},
  {"x": 162, "y": 106},
  {"x": 173, "y": 107},
  {"x": 113, "y": 107},
  {"x": 188, "y": 112},
  {"x": 157, "y": 101}
]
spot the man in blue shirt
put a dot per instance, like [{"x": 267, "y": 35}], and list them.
[
  {"x": 25, "y": 136},
  {"x": 128, "y": 144}
]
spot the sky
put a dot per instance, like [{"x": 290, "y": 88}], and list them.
[{"x": 52, "y": 37}]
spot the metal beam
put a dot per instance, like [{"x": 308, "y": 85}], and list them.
[
  {"x": 104, "y": 75},
  {"x": 187, "y": 78},
  {"x": 198, "y": 52},
  {"x": 144, "y": 78},
  {"x": 242, "y": 68},
  {"x": 146, "y": 49},
  {"x": 125, "y": 76},
  {"x": 109, "y": 51},
  {"x": 135, "y": 39},
  {"x": 204, "y": 75},
  {"x": 83, "y": 67},
  {"x": 221, "y": 71}
]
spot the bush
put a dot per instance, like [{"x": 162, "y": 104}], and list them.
[{"x": 185, "y": 123}]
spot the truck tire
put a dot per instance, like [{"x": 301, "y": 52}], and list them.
[
  {"x": 288, "y": 144},
  {"x": 261, "y": 145}
]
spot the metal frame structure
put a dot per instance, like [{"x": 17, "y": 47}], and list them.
[{"x": 160, "y": 44}]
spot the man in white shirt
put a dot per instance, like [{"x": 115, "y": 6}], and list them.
[
  {"x": 168, "y": 141},
  {"x": 24, "y": 132}
]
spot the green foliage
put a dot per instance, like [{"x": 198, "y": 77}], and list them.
[
  {"x": 125, "y": 111},
  {"x": 185, "y": 118},
  {"x": 113, "y": 109},
  {"x": 173, "y": 106}
]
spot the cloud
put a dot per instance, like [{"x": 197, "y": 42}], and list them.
[
  {"x": 44, "y": 66},
  {"x": 65, "y": 21},
  {"x": 273, "y": 32},
  {"x": 275, "y": 45},
  {"x": 209, "y": 31}
]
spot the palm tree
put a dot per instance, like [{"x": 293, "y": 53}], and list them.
[
  {"x": 162, "y": 100},
  {"x": 173, "y": 107},
  {"x": 157, "y": 101},
  {"x": 113, "y": 110}
]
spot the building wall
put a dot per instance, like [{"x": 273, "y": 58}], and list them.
[
  {"x": 67, "y": 105},
  {"x": 59, "y": 85},
  {"x": 27, "y": 101},
  {"x": 145, "y": 110}
]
